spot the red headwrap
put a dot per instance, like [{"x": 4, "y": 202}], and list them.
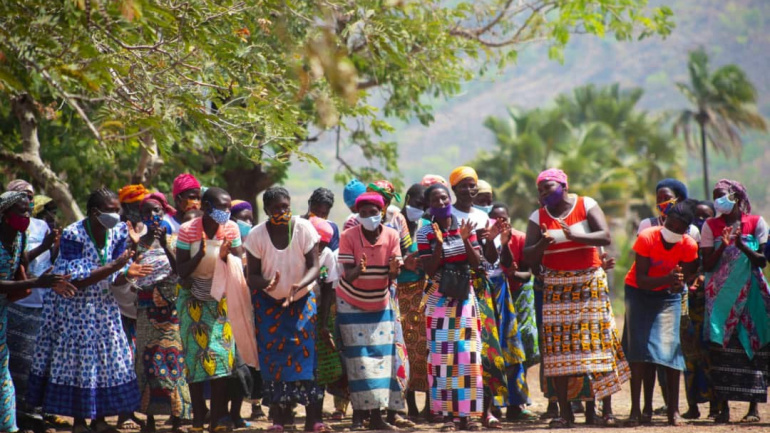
[
  {"x": 184, "y": 182},
  {"x": 323, "y": 228},
  {"x": 159, "y": 198}
]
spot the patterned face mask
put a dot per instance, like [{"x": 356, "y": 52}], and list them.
[
  {"x": 665, "y": 206},
  {"x": 281, "y": 219},
  {"x": 220, "y": 216}
]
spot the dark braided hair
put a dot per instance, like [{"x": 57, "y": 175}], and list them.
[
  {"x": 99, "y": 197},
  {"x": 274, "y": 193},
  {"x": 684, "y": 211},
  {"x": 322, "y": 196}
]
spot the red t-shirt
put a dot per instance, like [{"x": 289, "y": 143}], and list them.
[
  {"x": 662, "y": 261},
  {"x": 516, "y": 246}
]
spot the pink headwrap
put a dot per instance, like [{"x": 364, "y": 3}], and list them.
[
  {"x": 430, "y": 179},
  {"x": 738, "y": 190},
  {"x": 20, "y": 185},
  {"x": 184, "y": 182},
  {"x": 374, "y": 198},
  {"x": 553, "y": 174},
  {"x": 323, "y": 228},
  {"x": 159, "y": 198}
]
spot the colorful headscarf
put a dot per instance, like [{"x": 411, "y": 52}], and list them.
[
  {"x": 184, "y": 182},
  {"x": 738, "y": 191},
  {"x": 677, "y": 187},
  {"x": 460, "y": 173},
  {"x": 435, "y": 186},
  {"x": 159, "y": 198},
  {"x": 553, "y": 174},
  {"x": 385, "y": 188},
  {"x": 374, "y": 198},
  {"x": 352, "y": 190},
  {"x": 132, "y": 193},
  {"x": 323, "y": 228},
  {"x": 40, "y": 201},
  {"x": 430, "y": 179},
  {"x": 484, "y": 186},
  {"x": 20, "y": 185},
  {"x": 239, "y": 205},
  {"x": 10, "y": 198}
]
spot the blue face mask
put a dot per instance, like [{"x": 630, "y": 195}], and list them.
[
  {"x": 220, "y": 216},
  {"x": 371, "y": 223},
  {"x": 485, "y": 209},
  {"x": 244, "y": 228},
  {"x": 413, "y": 213},
  {"x": 724, "y": 205}
]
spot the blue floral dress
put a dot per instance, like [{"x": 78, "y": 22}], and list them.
[
  {"x": 83, "y": 366},
  {"x": 9, "y": 263}
]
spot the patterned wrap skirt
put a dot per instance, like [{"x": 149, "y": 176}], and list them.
[
  {"x": 207, "y": 337},
  {"x": 286, "y": 342},
  {"x": 697, "y": 373},
  {"x": 160, "y": 361},
  {"x": 371, "y": 358},
  {"x": 23, "y": 324},
  {"x": 524, "y": 302},
  {"x": 7, "y": 395},
  {"x": 511, "y": 343},
  {"x": 454, "y": 355},
  {"x": 410, "y": 296},
  {"x": 492, "y": 355},
  {"x": 329, "y": 370},
  {"x": 580, "y": 338},
  {"x": 735, "y": 377}
]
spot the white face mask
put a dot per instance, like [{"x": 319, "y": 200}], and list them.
[
  {"x": 371, "y": 223},
  {"x": 413, "y": 214},
  {"x": 670, "y": 237}
]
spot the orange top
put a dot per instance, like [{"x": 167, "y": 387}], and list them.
[
  {"x": 567, "y": 255},
  {"x": 650, "y": 244}
]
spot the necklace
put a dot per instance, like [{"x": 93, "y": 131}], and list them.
[{"x": 102, "y": 252}]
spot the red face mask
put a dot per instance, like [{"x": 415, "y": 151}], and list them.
[{"x": 17, "y": 222}]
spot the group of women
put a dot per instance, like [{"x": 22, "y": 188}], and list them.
[{"x": 158, "y": 308}]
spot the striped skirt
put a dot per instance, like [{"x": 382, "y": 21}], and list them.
[
  {"x": 579, "y": 332},
  {"x": 369, "y": 350},
  {"x": 454, "y": 356},
  {"x": 23, "y": 324},
  {"x": 735, "y": 377}
]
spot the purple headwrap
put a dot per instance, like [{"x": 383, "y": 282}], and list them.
[{"x": 738, "y": 191}]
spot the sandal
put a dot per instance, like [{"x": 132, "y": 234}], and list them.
[
  {"x": 750, "y": 418},
  {"x": 491, "y": 422},
  {"x": 448, "y": 427},
  {"x": 692, "y": 413},
  {"x": 359, "y": 426},
  {"x": 402, "y": 422},
  {"x": 384, "y": 425},
  {"x": 241, "y": 423},
  {"x": 608, "y": 420},
  {"x": 559, "y": 422},
  {"x": 338, "y": 415},
  {"x": 474, "y": 426},
  {"x": 677, "y": 421},
  {"x": 320, "y": 427},
  {"x": 57, "y": 421}
]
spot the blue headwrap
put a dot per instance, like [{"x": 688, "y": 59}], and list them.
[
  {"x": 678, "y": 188},
  {"x": 353, "y": 189}
]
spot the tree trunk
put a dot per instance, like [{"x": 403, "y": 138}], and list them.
[
  {"x": 150, "y": 161},
  {"x": 704, "y": 151},
  {"x": 246, "y": 183},
  {"x": 29, "y": 160}
]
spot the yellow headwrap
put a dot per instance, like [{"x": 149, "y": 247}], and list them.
[
  {"x": 132, "y": 193},
  {"x": 40, "y": 201},
  {"x": 484, "y": 186},
  {"x": 460, "y": 173}
]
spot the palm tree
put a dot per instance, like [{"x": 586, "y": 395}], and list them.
[{"x": 724, "y": 105}]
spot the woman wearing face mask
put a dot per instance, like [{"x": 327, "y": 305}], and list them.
[
  {"x": 665, "y": 258},
  {"x": 204, "y": 322},
  {"x": 697, "y": 375},
  {"x": 283, "y": 266},
  {"x": 483, "y": 199},
  {"x": 187, "y": 196},
  {"x": 14, "y": 285},
  {"x": 411, "y": 285},
  {"x": 159, "y": 356},
  {"x": 243, "y": 215},
  {"x": 563, "y": 240},
  {"x": 448, "y": 251},
  {"x": 83, "y": 367},
  {"x": 370, "y": 256},
  {"x": 464, "y": 181},
  {"x": 737, "y": 316}
]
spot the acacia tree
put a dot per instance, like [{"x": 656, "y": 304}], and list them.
[{"x": 234, "y": 87}]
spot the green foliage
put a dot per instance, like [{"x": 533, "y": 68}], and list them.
[
  {"x": 222, "y": 85},
  {"x": 610, "y": 150}
]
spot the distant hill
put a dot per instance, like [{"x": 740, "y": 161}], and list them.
[{"x": 732, "y": 31}]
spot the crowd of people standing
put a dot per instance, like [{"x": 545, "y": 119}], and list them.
[{"x": 185, "y": 309}]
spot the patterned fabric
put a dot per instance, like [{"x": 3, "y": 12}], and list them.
[
  {"x": 369, "y": 351},
  {"x": 454, "y": 355},
  {"x": 524, "y": 302},
  {"x": 511, "y": 344},
  {"x": 400, "y": 369},
  {"x": 9, "y": 264},
  {"x": 413, "y": 321},
  {"x": 160, "y": 361},
  {"x": 23, "y": 325},
  {"x": 286, "y": 340},
  {"x": 329, "y": 368},
  {"x": 735, "y": 376},
  {"x": 83, "y": 365},
  {"x": 207, "y": 337},
  {"x": 492, "y": 357},
  {"x": 579, "y": 332},
  {"x": 697, "y": 373}
]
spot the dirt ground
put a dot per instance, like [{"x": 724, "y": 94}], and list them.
[{"x": 621, "y": 406}]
